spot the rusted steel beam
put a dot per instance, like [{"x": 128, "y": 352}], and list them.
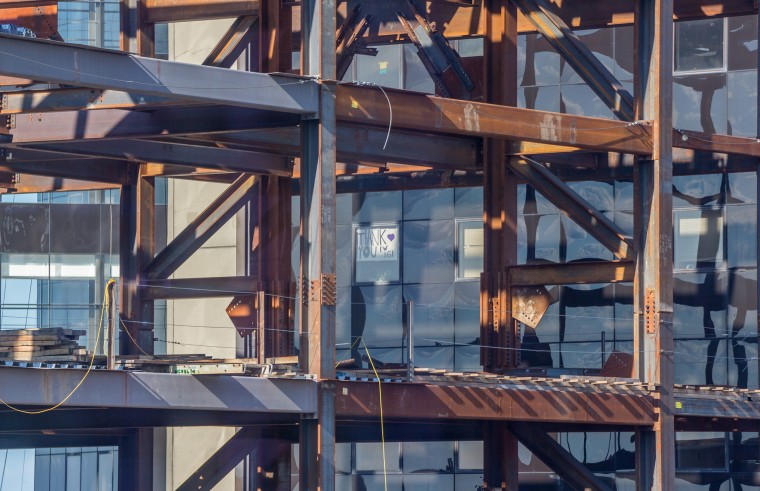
[
  {"x": 557, "y": 458},
  {"x": 51, "y": 164},
  {"x": 579, "y": 57},
  {"x": 572, "y": 273},
  {"x": 579, "y": 210},
  {"x": 31, "y": 183},
  {"x": 736, "y": 145},
  {"x": 200, "y": 229},
  {"x": 653, "y": 232},
  {"x": 175, "y": 153},
  {"x": 234, "y": 41},
  {"x": 186, "y": 10},
  {"x": 435, "y": 114},
  {"x": 118, "y": 123},
  {"x": 177, "y": 288},
  {"x": 454, "y": 402},
  {"x": 40, "y": 17}
]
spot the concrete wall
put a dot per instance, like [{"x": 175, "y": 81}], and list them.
[{"x": 198, "y": 326}]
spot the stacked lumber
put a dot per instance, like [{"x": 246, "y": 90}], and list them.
[{"x": 49, "y": 344}]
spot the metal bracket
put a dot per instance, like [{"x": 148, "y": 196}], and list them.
[
  {"x": 10, "y": 122},
  {"x": 329, "y": 289},
  {"x": 649, "y": 311}
]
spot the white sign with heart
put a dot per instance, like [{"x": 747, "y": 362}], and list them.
[{"x": 377, "y": 243}]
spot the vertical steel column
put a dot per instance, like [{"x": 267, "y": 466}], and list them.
[
  {"x": 136, "y": 36},
  {"x": 270, "y": 205},
  {"x": 136, "y": 460},
  {"x": 137, "y": 242},
  {"x": 318, "y": 242},
  {"x": 653, "y": 284},
  {"x": 498, "y": 329}
]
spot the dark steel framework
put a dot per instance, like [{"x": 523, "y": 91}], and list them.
[{"x": 124, "y": 119}]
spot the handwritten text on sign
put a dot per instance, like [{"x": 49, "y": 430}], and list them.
[{"x": 377, "y": 243}]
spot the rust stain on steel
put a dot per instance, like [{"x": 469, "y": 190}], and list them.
[{"x": 493, "y": 403}]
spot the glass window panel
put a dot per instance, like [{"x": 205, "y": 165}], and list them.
[
  {"x": 470, "y": 455},
  {"x": 742, "y": 363},
  {"x": 470, "y": 47},
  {"x": 700, "y": 450},
  {"x": 377, "y": 257},
  {"x": 742, "y": 42},
  {"x": 428, "y": 251},
  {"x": 433, "y": 313},
  {"x": 701, "y": 362},
  {"x": 541, "y": 98},
  {"x": 541, "y": 235},
  {"x": 624, "y": 195},
  {"x": 343, "y": 458},
  {"x": 42, "y": 470},
  {"x": 701, "y": 190},
  {"x": 699, "y": 45},
  {"x": 623, "y": 313},
  {"x": 467, "y": 358},
  {"x": 699, "y": 103},
  {"x": 741, "y": 240},
  {"x": 538, "y": 62},
  {"x": 343, "y": 314},
  {"x": 377, "y": 207},
  {"x": 377, "y": 482},
  {"x": 369, "y": 457},
  {"x": 598, "y": 194},
  {"x": 599, "y": 42},
  {"x": 72, "y": 292},
  {"x": 699, "y": 308},
  {"x": 383, "y": 69},
  {"x": 428, "y": 482},
  {"x": 580, "y": 244},
  {"x": 21, "y": 291},
  {"x": 624, "y": 58},
  {"x": 344, "y": 207},
  {"x": 698, "y": 239},
  {"x": 624, "y": 220},
  {"x": 589, "y": 311},
  {"x": 742, "y": 187},
  {"x": 58, "y": 472},
  {"x": 105, "y": 470},
  {"x": 582, "y": 101},
  {"x": 428, "y": 457},
  {"x": 427, "y": 204},
  {"x": 344, "y": 263},
  {"x": 468, "y": 481},
  {"x": 469, "y": 249},
  {"x": 441, "y": 357},
  {"x": 531, "y": 202},
  {"x": 376, "y": 314},
  {"x": 467, "y": 311},
  {"x": 742, "y": 103},
  {"x": 73, "y": 471},
  {"x": 25, "y": 228},
  {"x": 468, "y": 202},
  {"x": 416, "y": 76},
  {"x": 76, "y": 228}
]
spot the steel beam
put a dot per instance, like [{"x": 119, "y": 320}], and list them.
[
  {"x": 421, "y": 112},
  {"x": 319, "y": 244},
  {"x": 117, "y": 123},
  {"x": 220, "y": 286},
  {"x": 653, "y": 231},
  {"x": 234, "y": 42},
  {"x": 557, "y": 458},
  {"x": 187, "y": 10},
  {"x": 579, "y": 210},
  {"x": 579, "y": 273},
  {"x": 134, "y": 391},
  {"x": 200, "y": 229},
  {"x": 137, "y": 231},
  {"x": 442, "y": 401},
  {"x": 579, "y": 57},
  {"x": 221, "y": 463},
  {"x": 83, "y": 66},
  {"x": 175, "y": 153},
  {"x": 51, "y": 164}
]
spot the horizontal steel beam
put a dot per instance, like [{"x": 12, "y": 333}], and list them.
[
  {"x": 39, "y": 388},
  {"x": 81, "y": 66},
  {"x": 200, "y": 229},
  {"x": 402, "y": 401},
  {"x": 412, "y": 111},
  {"x": 594, "y": 222},
  {"x": 178, "y": 288},
  {"x": 40, "y": 101},
  {"x": 117, "y": 123},
  {"x": 51, "y": 164},
  {"x": 175, "y": 153},
  {"x": 187, "y": 10},
  {"x": 736, "y": 145},
  {"x": 577, "y": 273}
]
